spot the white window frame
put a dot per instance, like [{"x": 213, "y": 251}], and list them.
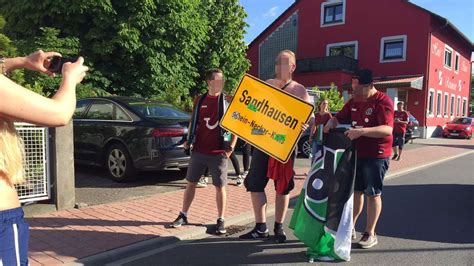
[
  {"x": 456, "y": 65},
  {"x": 338, "y": 44},
  {"x": 452, "y": 106},
  {"x": 393, "y": 38},
  {"x": 465, "y": 104},
  {"x": 330, "y": 3},
  {"x": 429, "y": 104},
  {"x": 439, "y": 100},
  {"x": 446, "y": 105},
  {"x": 448, "y": 48}
]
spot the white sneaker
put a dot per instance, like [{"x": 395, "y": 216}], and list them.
[
  {"x": 367, "y": 241},
  {"x": 202, "y": 182},
  {"x": 239, "y": 181}
]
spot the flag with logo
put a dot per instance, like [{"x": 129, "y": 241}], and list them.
[{"x": 322, "y": 218}]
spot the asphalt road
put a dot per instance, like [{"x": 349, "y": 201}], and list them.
[{"x": 427, "y": 219}]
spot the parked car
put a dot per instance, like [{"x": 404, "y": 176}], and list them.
[
  {"x": 460, "y": 127},
  {"x": 126, "y": 135},
  {"x": 412, "y": 129}
]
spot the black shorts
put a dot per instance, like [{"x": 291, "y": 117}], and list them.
[
  {"x": 398, "y": 140},
  {"x": 257, "y": 179},
  {"x": 370, "y": 174}
]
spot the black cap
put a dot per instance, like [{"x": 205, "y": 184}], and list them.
[{"x": 364, "y": 76}]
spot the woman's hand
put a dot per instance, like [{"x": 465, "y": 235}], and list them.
[
  {"x": 74, "y": 72},
  {"x": 40, "y": 61}
]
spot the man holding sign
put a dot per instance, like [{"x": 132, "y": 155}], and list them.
[{"x": 264, "y": 167}]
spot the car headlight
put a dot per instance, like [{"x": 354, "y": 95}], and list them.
[{"x": 468, "y": 128}]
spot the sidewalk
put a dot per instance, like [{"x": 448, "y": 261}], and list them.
[{"x": 66, "y": 236}]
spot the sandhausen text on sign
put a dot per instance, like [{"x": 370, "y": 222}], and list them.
[{"x": 266, "y": 117}]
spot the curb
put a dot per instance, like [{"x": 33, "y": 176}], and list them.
[{"x": 159, "y": 244}]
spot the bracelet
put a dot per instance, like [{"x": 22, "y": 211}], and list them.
[{"x": 2, "y": 66}]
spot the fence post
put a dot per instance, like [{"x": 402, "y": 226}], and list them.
[{"x": 62, "y": 166}]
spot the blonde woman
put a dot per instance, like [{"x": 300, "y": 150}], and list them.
[
  {"x": 320, "y": 119},
  {"x": 20, "y": 104}
]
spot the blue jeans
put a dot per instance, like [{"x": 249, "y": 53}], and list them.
[{"x": 315, "y": 147}]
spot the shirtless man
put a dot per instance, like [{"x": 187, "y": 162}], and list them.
[{"x": 257, "y": 179}]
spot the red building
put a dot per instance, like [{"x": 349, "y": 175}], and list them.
[{"x": 416, "y": 56}]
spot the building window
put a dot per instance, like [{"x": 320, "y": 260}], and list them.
[
  {"x": 333, "y": 12},
  {"x": 393, "y": 49},
  {"x": 459, "y": 107},
  {"x": 456, "y": 62},
  {"x": 349, "y": 49},
  {"x": 446, "y": 99},
  {"x": 464, "y": 109},
  {"x": 431, "y": 102},
  {"x": 438, "y": 103},
  {"x": 448, "y": 56},
  {"x": 452, "y": 106}
]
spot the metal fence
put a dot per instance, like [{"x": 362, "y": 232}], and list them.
[{"x": 37, "y": 173}]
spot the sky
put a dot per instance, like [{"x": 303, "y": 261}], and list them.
[{"x": 262, "y": 13}]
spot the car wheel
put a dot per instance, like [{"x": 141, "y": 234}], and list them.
[
  {"x": 305, "y": 147},
  {"x": 119, "y": 163}
]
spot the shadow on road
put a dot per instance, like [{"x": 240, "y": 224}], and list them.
[{"x": 437, "y": 213}]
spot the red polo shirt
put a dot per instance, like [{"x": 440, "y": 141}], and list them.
[{"x": 376, "y": 111}]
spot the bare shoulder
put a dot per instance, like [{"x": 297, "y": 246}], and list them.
[{"x": 299, "y": 91}]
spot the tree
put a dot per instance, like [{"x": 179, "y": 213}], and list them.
[
  {"x": 155, "y": 49},
  {"x": 8, "y": 49},
  {"x": 225, "y": 47},
  {"x": 334, "y": 98}
]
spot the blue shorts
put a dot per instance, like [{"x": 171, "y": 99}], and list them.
[
  {"x": 370, "y": 174},
  {"x": 14, "y": 237}
]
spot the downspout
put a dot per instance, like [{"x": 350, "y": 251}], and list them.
[{"x": 425, "y": 122}]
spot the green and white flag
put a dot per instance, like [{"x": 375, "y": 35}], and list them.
[{"x": 322, "y": 218}]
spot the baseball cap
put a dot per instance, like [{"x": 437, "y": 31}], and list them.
[{"x": 364, "y": 76}]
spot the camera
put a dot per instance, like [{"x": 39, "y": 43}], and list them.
[{"x": 57, "y": 62}]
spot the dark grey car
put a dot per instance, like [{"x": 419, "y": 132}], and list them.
[{"x": 127, "y": 135}]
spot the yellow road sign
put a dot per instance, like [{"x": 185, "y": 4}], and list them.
[{"x": 266, "y": 117}]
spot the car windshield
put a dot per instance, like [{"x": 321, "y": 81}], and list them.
[
  {"x": 462, "y": 121},
  {"x": 158, "y": 110}
]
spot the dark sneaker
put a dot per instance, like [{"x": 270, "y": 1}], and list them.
[
  {"x": 220, "y": 227},
  {"x": 394, "y": 156},
  {"x": 398, "y": 158},
  {"x": 367, "y": 241},
  {"x": 354, "y": 234},
  {"x": 280, "y": 236},
  {"x": 255, "y": 235},
  {"x": 181, "y": 220}
]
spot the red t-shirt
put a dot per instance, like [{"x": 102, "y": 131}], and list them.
[
  {"x": 208, "y": 131},
  {"x": 376, "y": 111},
  {"x": 321, "y": 119},
  {"x": 397, "y": 126}
]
